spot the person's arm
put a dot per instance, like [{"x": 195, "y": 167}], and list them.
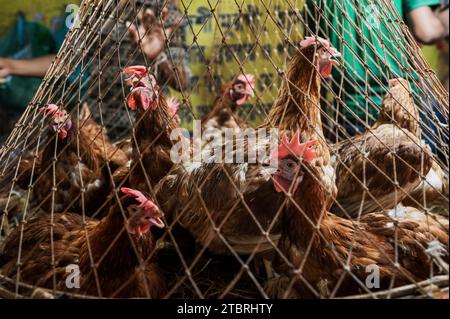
[
  {"x": 426, "y": 24},
  {"x": 151, "y": 35},
  {"x": 37, "y": 67},
  {"x": 443, "y": 17}
]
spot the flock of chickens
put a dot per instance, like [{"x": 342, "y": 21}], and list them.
[{"x": 316, "y": 222}]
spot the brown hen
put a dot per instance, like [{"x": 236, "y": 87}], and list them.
[
  {"x": 79, "y": 179},
  {"x": 332, "y": 256},
  {"x": 225, "y": 112},
  {"x": 113, "y": 255},
  {"x": 150, "y": 142},
  {"x": 378, "y": 168},
  {"x": 230, "y": 207},
  {"x": 298, "y": 105}
]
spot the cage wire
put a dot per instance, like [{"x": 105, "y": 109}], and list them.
[{"x": 378, "y": 199}]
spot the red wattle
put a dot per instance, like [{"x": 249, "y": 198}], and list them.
[
  {"x": 132, "y": 102},
  {"x": 144, "y": 228},
  {"x": 326, "y": 70}
]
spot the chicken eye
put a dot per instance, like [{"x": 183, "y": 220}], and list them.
[{"x": 133, "y": 209}]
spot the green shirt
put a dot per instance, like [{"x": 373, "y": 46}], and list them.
[{"x": 369, "y": 38}]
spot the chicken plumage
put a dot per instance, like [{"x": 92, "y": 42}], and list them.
[
  {"x": 298, "y": 105},
  {"x": 432, "y": 192},
  {"x": 79, "y": 178},
  {"x": 378, "y": 168},
  {"x": 242, "y": 213},
  {"x": 236, "y": 205},
  {"x": 151, "y": 143},
  {"x": 113, "y": 255},
  {"x": 398, "y": 107},
  {"x": 331, "y": 255}
]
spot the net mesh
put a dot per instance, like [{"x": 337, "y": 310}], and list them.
[{"x": 367, "y": 217}]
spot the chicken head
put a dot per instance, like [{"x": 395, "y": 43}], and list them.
[
  {"x": 290, "y": 155},
  {"x": 144, "y": 88},
  {"x": 325, "y": 56},
  {"x": 143, "y": 215},
  {"x": 242, "y": 89},
  {"x": 59, "y": 119}
]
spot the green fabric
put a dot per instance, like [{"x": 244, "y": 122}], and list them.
[
  {"x": 25, "y": 40},
  {"x": 410, "y": 5},
  {"x": 368, "y": 57}
]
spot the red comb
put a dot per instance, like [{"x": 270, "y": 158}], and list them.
[
  {"x": 50, "y": 110},
  {"x": 294, "y": 147},
  {"x": 247, "y": 78},
  {"x": 138, "y": 70},
  {"x": 53, "y": 112},
  {"x": 143, "y": 201},
  {"x": 173, "y": 105},
  {"x": 311, "y": 40}
]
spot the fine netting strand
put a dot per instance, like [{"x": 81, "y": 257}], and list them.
[{"x": 108, "y": 190}]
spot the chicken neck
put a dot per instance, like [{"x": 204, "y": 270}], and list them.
[
  {"x": 115, "y": 252},
  {"x": 152, "y": 131},
  {"x": 298, "y": 104}
]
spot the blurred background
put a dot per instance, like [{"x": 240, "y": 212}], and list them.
[{"x": 36, "y": 28}]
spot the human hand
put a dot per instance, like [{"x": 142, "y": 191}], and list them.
[
  {"x": 150, "y": 32},
  {"x": 6, "y": 66}
]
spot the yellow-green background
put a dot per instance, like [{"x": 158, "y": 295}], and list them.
[
  {"x": 50, "y": 9},
  {"x": 208, "y": 37}
]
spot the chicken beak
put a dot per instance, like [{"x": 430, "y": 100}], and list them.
[
  {"x": 249, "y": 91},
  {"x": 334, "y": 58},
  {"x": 157, "y": 221},
  {"x": 137, "y": 70}
]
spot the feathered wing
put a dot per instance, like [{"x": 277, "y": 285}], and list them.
[
  {"x": 101, "y": 144},
  {"x": 82, "y": 159},
  {"x": 376, "y": 160},
  {"x": 432, "y": 192},
  {"x": 238, "y": 198},
  {"x": 367, "y": 159},
  {"x": 297, "y": 109},
  {"x": 34, "y": 251}
]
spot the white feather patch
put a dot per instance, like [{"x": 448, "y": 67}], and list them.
[
  {"x": 242, "y": 172},
  {"x": 433, "y": 179},
  {"x": 192, "y": 166},
  {"x": 398, "y": 212}
]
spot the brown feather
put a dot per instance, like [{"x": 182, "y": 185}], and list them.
[
  {"x": 388, "y": 152},
  {"x": 335, "y": 242},
  {"x": 111, "y": 248}
]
